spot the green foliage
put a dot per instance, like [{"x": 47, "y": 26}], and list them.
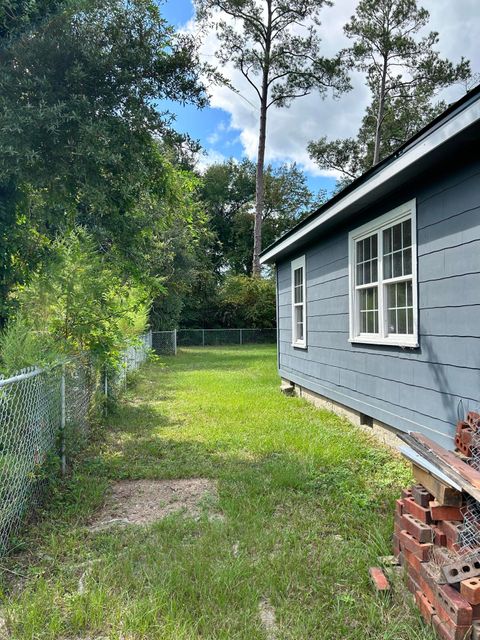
[
  {"x": 82, "y": 140},
  {"x": 21, "y": 347},
  {"x": 77, "y": 303},
  {"x": 404, "y": 73},
  {"x": 247, "y": 302}
]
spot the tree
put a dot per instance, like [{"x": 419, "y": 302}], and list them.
[
  {"x": 80, "y": 128},
  {"x": 404, "y": 74},
  {"x": 247, "y": 302},
  {"x": 227, "y": 192},
  {"x": 262, "y": 39}
]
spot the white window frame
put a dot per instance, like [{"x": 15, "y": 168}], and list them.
[
  {"x": 297, "y": 264},
  {"x": 407, "y": 211}
]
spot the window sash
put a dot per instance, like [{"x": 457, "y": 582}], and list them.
[
  {"x": 383, "y": 333},
  {"x": 299, "y": 314}
]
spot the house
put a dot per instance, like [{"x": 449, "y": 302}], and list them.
[{"x": 378, "y": 291}]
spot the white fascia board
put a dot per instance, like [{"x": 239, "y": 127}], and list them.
[{"x": 442, "y": 134}]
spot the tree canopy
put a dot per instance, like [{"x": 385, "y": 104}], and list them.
[{"x": 404, "y": 72}]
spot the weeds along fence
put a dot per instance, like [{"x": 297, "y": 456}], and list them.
[
  {"x": 167, "y": 342},
  {"x": 44, "y": 420}
]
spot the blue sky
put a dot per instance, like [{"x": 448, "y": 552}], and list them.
[{"x": 228, "y": 127}]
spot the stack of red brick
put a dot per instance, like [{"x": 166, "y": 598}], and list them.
[
  {"x": 465, "y": 434},
  {"x": 445, "y": 583}
]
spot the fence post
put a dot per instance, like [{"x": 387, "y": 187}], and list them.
[
  {"x": 175, "y": 342},
  {"x": 203, "y": 337},
  {"x": 241, "y": 336},
  {"x": 63, "y": 422}
]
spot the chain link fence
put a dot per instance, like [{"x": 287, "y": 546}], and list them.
[
  {"x": 166, "y": 342},
  {"x": 44, "y": 419}
]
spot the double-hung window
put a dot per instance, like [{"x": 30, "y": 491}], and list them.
[
  {"x": 383, "y": 279},
  {"x": 299, "y": 303}
]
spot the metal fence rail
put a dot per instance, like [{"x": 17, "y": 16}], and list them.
[
  {"x": 44, "y": 417},
  {"x": 219, "y": 337},
  {"x": 166, "y": 342}
]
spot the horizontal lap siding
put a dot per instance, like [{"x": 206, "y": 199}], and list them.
[{"x": 426, "y": 388}]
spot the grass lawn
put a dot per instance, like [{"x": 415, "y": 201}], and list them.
[{"x": 307, "y": 503}]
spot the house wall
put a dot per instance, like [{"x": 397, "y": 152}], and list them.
[{"x": 423, "y": 389}]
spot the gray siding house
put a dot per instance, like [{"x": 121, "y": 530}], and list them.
[{"x": 378, "y": 291}]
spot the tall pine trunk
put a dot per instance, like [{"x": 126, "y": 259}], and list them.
[
  {"x": 262, "y": 136},
  {"x": 380, "y": 114},
  {"x": 259, "y": 189}
]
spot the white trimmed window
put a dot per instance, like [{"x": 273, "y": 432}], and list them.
[
  {"x": 299, "y": 303},
  {"x": 383, "y": 279}
]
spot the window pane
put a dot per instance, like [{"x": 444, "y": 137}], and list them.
[
  {"x": 399, "y": 308},
  {"x": 407, "y": 262},
  {"x": 387, "y": 267},
  {"x": 397, "y": 264},
  {"x": 359, "y": 252},
  {"x": 374, "y": 246},
  {"x": 410, "y": 320},
  {"x": 397, "y": 237},
  {"x": 367, "y": 275},
  {"x": 298, "y": 276},
  {"x": 402, "y": 320},
  {"x": 374, "y": 271},
  {"x": 402, "y": 294},
  {"x": 407, "y": 233},
  {"x": 298, "y": 279},
  {"x": 369, "y": 310},
  {"x": 360, "y": 274},
  {"x": 299, "y": 323},
  {"x": 409, "y": 294},
  {"x": 387, "y": 241},
  {"x": 298, "y": 294},
  {"x": 392, "y": 321},
  {"x": 366, "y": 249}
]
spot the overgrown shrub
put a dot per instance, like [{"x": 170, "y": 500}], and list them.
[
  {"x": 76, "y": 304},
  {"x": 247, "y": 302}
]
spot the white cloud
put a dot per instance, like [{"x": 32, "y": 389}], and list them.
[
  {"x": 209, "y": 157},
  {"x": 290, "y": 130}
]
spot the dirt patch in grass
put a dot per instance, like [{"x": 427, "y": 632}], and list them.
[
  {"x": 146, "y": 501},
  {"x": 267, "y": 618}
]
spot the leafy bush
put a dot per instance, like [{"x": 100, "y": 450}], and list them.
[
  {"x": 247, "y": 302},
  {"x": 75, "y": 304}
]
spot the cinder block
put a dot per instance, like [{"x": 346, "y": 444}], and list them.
[
  {"x": 422, "y": 551},
  {"x": 426, "y": 608},
  {"x": 461, "y": 569},
  {"x": 414, "y": 509},
  {"x": 470, "y": 590},
  {"x": 473, "y": 419},
  {"x": 419, "y": 530},
  {"x": 399, "y": 507},
  {"x": 407, "y": 493},
  {"x": 412, "y": 560},
  {"x": 421, "y": 495},
  {"x": 450, "y": 632},
  {"x": 451, "y": 606}
]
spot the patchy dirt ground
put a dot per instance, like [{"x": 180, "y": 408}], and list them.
[{"x": 146, "y": 501}]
